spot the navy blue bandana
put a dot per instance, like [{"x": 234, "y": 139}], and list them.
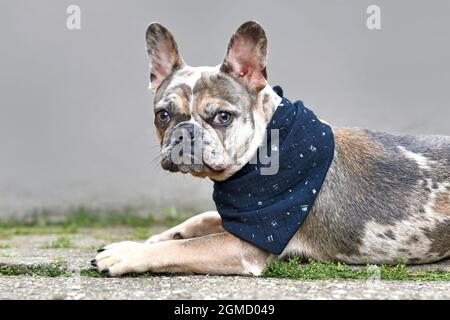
[{"x": 267, "y": 210}]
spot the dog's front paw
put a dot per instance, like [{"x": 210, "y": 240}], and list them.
[{"x": 122, "y": 257}]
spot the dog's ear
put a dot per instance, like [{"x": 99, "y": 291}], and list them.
[
  {"x": 246, "y": 56},
  {"x": 163, "y": 54}
]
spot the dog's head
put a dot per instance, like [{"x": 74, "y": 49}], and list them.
[{"x": 210, "y": 120}]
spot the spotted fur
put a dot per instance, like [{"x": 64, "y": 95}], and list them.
[{"x": 385, "y": 200}]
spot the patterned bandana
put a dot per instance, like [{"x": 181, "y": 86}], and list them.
[{"x": 267, "y": 210}]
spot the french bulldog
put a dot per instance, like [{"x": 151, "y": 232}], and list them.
[{"x": 385, "y": 198}]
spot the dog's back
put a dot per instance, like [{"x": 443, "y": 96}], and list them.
[{"x": 386, "y": 199}]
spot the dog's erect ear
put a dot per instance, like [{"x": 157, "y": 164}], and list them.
[
  {"x": 163, "y": 54},
  {"x": 246, "y": 56}
]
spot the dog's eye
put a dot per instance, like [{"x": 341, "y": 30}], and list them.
[
  {"x": 222, "y": 118},
  {"x": 163, "y": 116}
]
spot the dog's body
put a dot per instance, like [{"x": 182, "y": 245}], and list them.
[{"x": 385, "y": 198}]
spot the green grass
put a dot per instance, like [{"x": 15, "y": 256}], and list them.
[
  {"x": 4, "y": 246},
  {"x": 56, "y": 270},
  {"x": 314, "y": 270},
  {"x": 36, "y": 270},
  {"x": 92, "y": 273},
  {"x": 80, "y": 218},
  {"x": 45, "y": 223},
  {"x": 291, "y": 269},
  {"x": 62, "y": 242},
  {"x": 6, "y": 232},
  {"x": 140, "y": 234}
]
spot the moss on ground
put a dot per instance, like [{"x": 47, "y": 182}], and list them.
[
  {"x": 93, "y": 273},
  {"x": 290, "y": 269},
  {"x": 36, "y": 270},
  {"x": 314, "y": 270},
  {"x": 56, "y": 270}
]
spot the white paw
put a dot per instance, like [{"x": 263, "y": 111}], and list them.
[{"x": 122, "y": 257}]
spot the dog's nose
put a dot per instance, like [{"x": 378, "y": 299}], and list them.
[
  {"x": 186, "y": 143},
  {"x": 186, "y": 130}
]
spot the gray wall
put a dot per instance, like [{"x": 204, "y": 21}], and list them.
[{"x": 76, "y": 115}]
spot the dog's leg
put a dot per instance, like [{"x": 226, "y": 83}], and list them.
[
  {"x": 220, "y": 253},
  {"x": 197, "y": 226}
]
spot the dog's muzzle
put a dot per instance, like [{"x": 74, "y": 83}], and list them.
[{"x": 186, "y": 151}]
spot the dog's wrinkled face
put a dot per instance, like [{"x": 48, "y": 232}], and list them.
[{"x": 209, "y": 120}]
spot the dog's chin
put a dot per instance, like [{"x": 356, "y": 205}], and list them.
[{"x": 202, "y": 170}]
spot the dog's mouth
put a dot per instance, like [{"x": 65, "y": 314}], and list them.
[{"x": 198, "y": 168}]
